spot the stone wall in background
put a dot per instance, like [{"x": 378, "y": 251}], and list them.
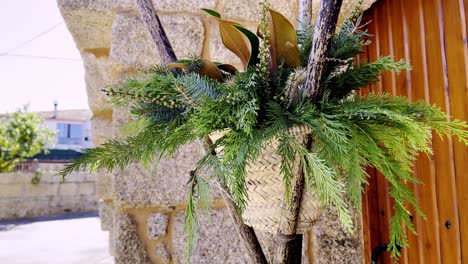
[
  {"x": 144, "y": 211},
  {"x": 20, "y": 197}
]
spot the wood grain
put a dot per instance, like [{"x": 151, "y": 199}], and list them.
[
  {"x": 156, "y": 30},
  {"x": 432, "y": 35},
  {"x": 323, "y": 33}
]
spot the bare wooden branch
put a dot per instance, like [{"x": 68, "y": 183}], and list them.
[
  {"x": 288, "y": 249},
  {"x": 155, "y": 28},
  {"x": 305, "y": 12},
  {"x": 247, "y": 234},
  {"x": 289, "y": 244},
  {"x": 323, "y": 34}
]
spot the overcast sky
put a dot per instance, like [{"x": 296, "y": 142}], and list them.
[{"x": 39, "y": 62}]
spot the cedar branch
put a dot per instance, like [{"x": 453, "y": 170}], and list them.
[{"x": 167, "y": 54}]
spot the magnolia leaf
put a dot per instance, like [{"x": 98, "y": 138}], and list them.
[
  {"x": 210, "y": 70},
  {"x": 283, "y": 41},
  {"x": 207, "y": 68},
  {"x": 227, "y": 68},
  {"x": 211, "y": 12},
  {"x": 232, "y": 38},
  {"x": 254, "y": 43}
]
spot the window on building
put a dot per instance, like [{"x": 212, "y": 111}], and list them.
[{"x": 70, "y": 134}]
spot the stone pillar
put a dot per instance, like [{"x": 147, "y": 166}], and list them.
[{"x": 142, "y": 209}]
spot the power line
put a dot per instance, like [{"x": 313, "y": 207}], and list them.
[
  {"x": 40, "y": 57},
  {"x": 32, "y": 39}
]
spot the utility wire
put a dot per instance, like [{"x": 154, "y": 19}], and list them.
[
  {"x": 48, "y": 30},
  {"x": 31, "y": 39},
  {"x": 41, "y": 57}
]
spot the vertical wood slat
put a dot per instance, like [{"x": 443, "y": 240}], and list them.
[
  {"x": 399, "y": 37},
  {"x": 433, "y": 35},
  {"x": 387, "y": 81},
  {"x": 428, "y": 232},
  {"x": 380, "y": 185},
  {"x": 414, "y": 241},
  {"x": 370, "y": 208},
  {"x": 443, "y": 154},
  {"x": 454, "y": 25}
]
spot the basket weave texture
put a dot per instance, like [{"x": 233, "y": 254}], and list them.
[{"x": 266, "y": 191}]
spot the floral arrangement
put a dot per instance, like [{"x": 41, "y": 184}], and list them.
[{"x": 191, "y": 99}]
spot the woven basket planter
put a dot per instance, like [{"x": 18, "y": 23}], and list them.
[{"x": 266, "y": 191}]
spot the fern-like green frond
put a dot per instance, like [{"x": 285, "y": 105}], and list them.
[
  {"x": 341, "y": 84},
  {"x": 118, "y": 154}
]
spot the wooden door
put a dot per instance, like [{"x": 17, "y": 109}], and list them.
[{"x": 432, "y": 36}]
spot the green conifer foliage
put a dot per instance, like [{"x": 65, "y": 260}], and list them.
[{"x": 252, "y": 107}]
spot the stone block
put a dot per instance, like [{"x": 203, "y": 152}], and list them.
[
  {"x": 183, "y": 5},
  {"x": 164, "y": 186},
  {"x": 104, "y": 186},
  {"x": 132, "y": 46},
  {"x": 88, "y": 203},
  {"x": 69, "y": 189},
  {"x": 333, "y": 245},
  {"x": 15, "y": 178},
  {"x": 111, "y": 243},
  {"x": 97, "y": 76},
  {"x": 102, "y": 131},
  {"x": 19, "y": 207},
  {"x": 67, "y": 204},
  {"x": 40, "y": 190},
  {"x": 120, "y": 117},
  {"x": 48, "y": 177},
  {"x": 161, "y": 252},
  {"x": 91, "y": 177},
  {"x": 89, "y": 28},
  {"x": 11, "y": 190},
  {"x": 106, "y": 215},
  {"x": 50, "y": 167},
  {"x": 157, "y": 225},
  {"x": 127, "y": 247},
  {"x": 7, "y": 207},
  {"x": 85, "y": 4},
  {"x": 75, "y": 177},
  {"x": 165, "y": 5},
  {"x": 218, "y": 241},
  {"x": 268, "y": 243},
  {"x": 87, "y": 188},
  {"x": 6, "y": 178},
  {"x": 251, "y": 10}
]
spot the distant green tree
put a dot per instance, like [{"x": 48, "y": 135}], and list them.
[{"x": 22, "y": 135}]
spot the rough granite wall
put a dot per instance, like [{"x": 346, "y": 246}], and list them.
[
  {"x": 20, "y": 198},
  {"x": 144, "y": 212}
]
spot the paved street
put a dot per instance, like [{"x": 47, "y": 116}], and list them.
[{"x": 70, "y": 239}]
